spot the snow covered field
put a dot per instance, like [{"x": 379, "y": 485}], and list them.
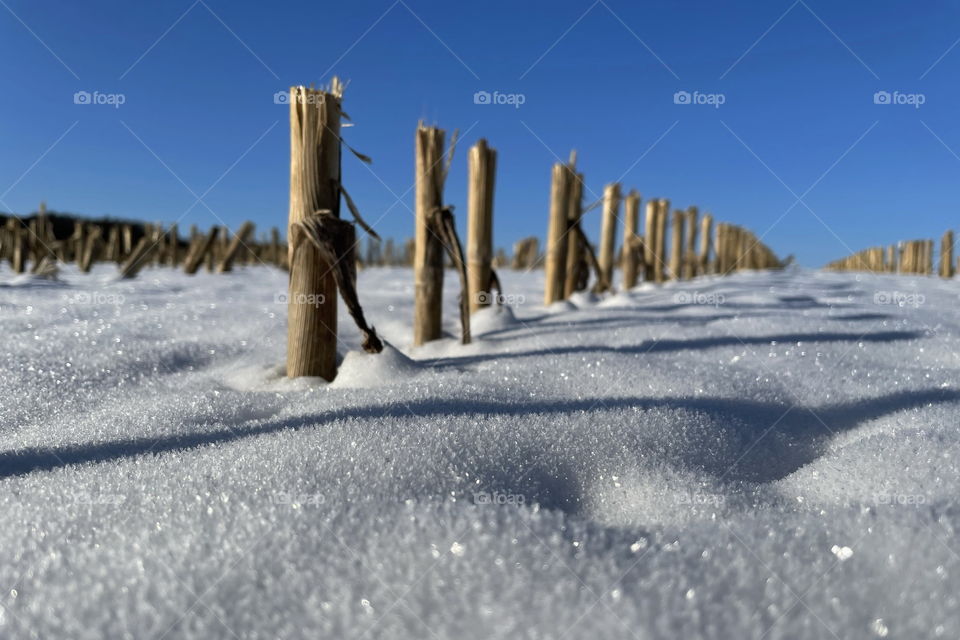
[{"x": 760, "y": 456}]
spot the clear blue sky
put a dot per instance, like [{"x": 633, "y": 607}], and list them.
[{"x": 197, "y": 78}]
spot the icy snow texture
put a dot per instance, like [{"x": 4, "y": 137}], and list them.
[{"x": 762, "y": 454}]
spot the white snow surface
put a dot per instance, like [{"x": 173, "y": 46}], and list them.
[{"x": 768, "y": 455}]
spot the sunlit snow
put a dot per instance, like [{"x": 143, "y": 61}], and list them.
[{"x": 764, "y": 455}]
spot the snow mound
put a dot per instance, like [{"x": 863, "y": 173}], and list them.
[
  {"x": 583, "y": 299},
  {"x": 561, "y": 306},
  {"x": 620, "y": 299},
  {"x": 254, "y": 378},
  {"x": 491, "y": 319},
  {"x": 361, "y": 370}
]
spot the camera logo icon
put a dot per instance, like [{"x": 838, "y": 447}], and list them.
[
  {"x": 881, "y": 97},
  {"x": 681, "y": 97},
  {"x": 481, "y": 97},
  {"x": 281, "y": 97},
  {"x": 81, "y": 97}
]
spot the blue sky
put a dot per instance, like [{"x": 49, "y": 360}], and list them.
[{"x": 798, "y": 152}]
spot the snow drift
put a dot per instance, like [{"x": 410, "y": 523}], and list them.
[{"x": 766, "y": 455}]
